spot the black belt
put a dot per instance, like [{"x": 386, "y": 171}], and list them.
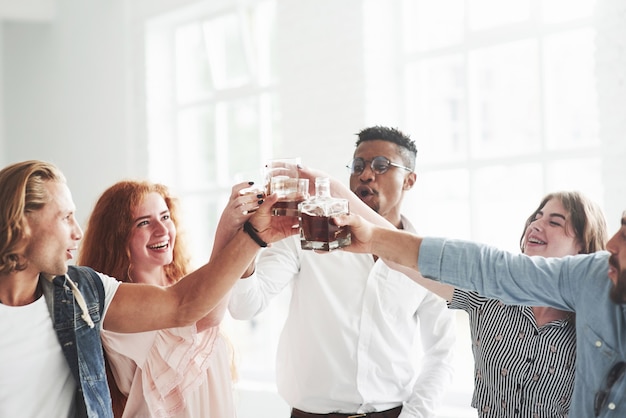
[{"x": 390, "y": 413}]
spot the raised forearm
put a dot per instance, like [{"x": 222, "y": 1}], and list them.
[
  {"x": 137, "y": 308},
  {"x": 396, "y": 246},
  {"x": 206, "y": 287}
]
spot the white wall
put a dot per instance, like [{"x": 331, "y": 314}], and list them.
[
  {"x": 322, "y": 82},
  {"x": 27, "y": 9},
  {"x": 67, "y": 96}
]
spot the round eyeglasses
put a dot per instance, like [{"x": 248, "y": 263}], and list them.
[{"x": 379, "y": 165}]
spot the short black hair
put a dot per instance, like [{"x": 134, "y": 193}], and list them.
[{"x": 406, "y": 146}]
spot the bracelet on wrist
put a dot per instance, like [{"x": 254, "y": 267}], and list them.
[{"x": 251, "y": 230}]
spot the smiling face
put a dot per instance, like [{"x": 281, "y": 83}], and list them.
[
  {"x": 54, "y": 232},
  {"x": 551, "y": 233},
  {"x": 617, "y": 263},
  {"x": 152, "y": 239},
  {"x": 382, "y": 192}
]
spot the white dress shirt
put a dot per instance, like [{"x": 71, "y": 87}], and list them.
[{"x": 359, "y": 336}]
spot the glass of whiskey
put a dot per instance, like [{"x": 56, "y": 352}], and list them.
[
  {"x": 282, "y": 178},
  {"x": 317, "y": 229}
]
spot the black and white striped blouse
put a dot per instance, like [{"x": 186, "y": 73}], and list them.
[{"x": 520, "y": 370}]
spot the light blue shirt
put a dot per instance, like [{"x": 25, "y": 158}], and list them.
[{"x": 576, "y": 283}]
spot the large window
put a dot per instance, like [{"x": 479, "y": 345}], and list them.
[
  {"x": 501, "y": 96},
  {"x": 213, "y": 110},
  {"x": 212, "y": 105}
]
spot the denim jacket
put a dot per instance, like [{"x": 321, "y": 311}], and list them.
[{"x": 76, "y": 304}]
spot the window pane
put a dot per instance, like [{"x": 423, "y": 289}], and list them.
[
  {"x": 584, "y": 175},
  {"x": 555, "y": 11},
  {"x": 504, "y": 101},
  {"x": 271, "y": 118},
  {"x": 199, "y": 212},
  {"x": 433, "y": 24},
  {"x": 196, "y": 147},
  {"x": 193, "y": 80},
  {"x": 438, "y": 205},
  {"x": 570, "y": 90},
  {"x": 504, "y": 197},
  {"x": 226, "y": 51},
  {"x": 435, "y": 106},
  {"x": 485, "y": 14},
  {"x": 263, "y": 36},
  {"x": 240, "y": 134}
]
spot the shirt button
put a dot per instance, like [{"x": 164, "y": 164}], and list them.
[
  {"x": 598, "y": 344},
  {"x": 611, "y": 406}
]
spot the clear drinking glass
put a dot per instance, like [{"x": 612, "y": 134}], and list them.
[
  {"x": 317, "y": 229},
  {"x": 282, "y": 178}
]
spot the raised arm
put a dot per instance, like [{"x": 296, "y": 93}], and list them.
[
  {"x": 398, "y": 249},
  {"x": 137, "y": 307},
  {"x": 238, "y": 210}
]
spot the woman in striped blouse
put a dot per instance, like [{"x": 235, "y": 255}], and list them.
[{"x": 525, "y": 356}]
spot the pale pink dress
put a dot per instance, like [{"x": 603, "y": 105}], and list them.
[{"x": 176, "y": 372}]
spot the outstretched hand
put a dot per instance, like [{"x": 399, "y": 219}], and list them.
[
  {"x": 361, "y": 230},
  {"x": 273, "y": 228},
  {"x": 244, "y": 199}
]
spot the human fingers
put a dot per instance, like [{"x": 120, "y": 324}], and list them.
[
  {"x": 272, "y": 228},
  {"x": 360, "y": 231},
  {"x": 246, "y": 197}
]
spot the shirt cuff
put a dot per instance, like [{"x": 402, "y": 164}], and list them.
[{"x": 430, "y": 255}]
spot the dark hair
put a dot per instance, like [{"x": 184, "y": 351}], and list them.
[
  {"x": 406, "y": 146},
  {"x": 586, "y": 217}
]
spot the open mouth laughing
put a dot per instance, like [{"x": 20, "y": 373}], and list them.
[{"x": 159, "y": 245}]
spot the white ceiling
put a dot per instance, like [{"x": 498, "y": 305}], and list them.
[{"x": 27, "y": 9}]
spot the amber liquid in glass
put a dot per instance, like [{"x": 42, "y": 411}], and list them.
[
  {"x": 321, "y": 233},
  {"x": 286, "y": 207}
]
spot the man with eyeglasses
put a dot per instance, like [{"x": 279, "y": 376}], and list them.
[
  {"x": 591, "y": 285},
  {"x": 352, "y": 339}
]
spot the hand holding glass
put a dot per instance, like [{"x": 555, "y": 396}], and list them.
[
  {"x": 256, "y": 191},
  {"x": 282, "y": 178}
]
